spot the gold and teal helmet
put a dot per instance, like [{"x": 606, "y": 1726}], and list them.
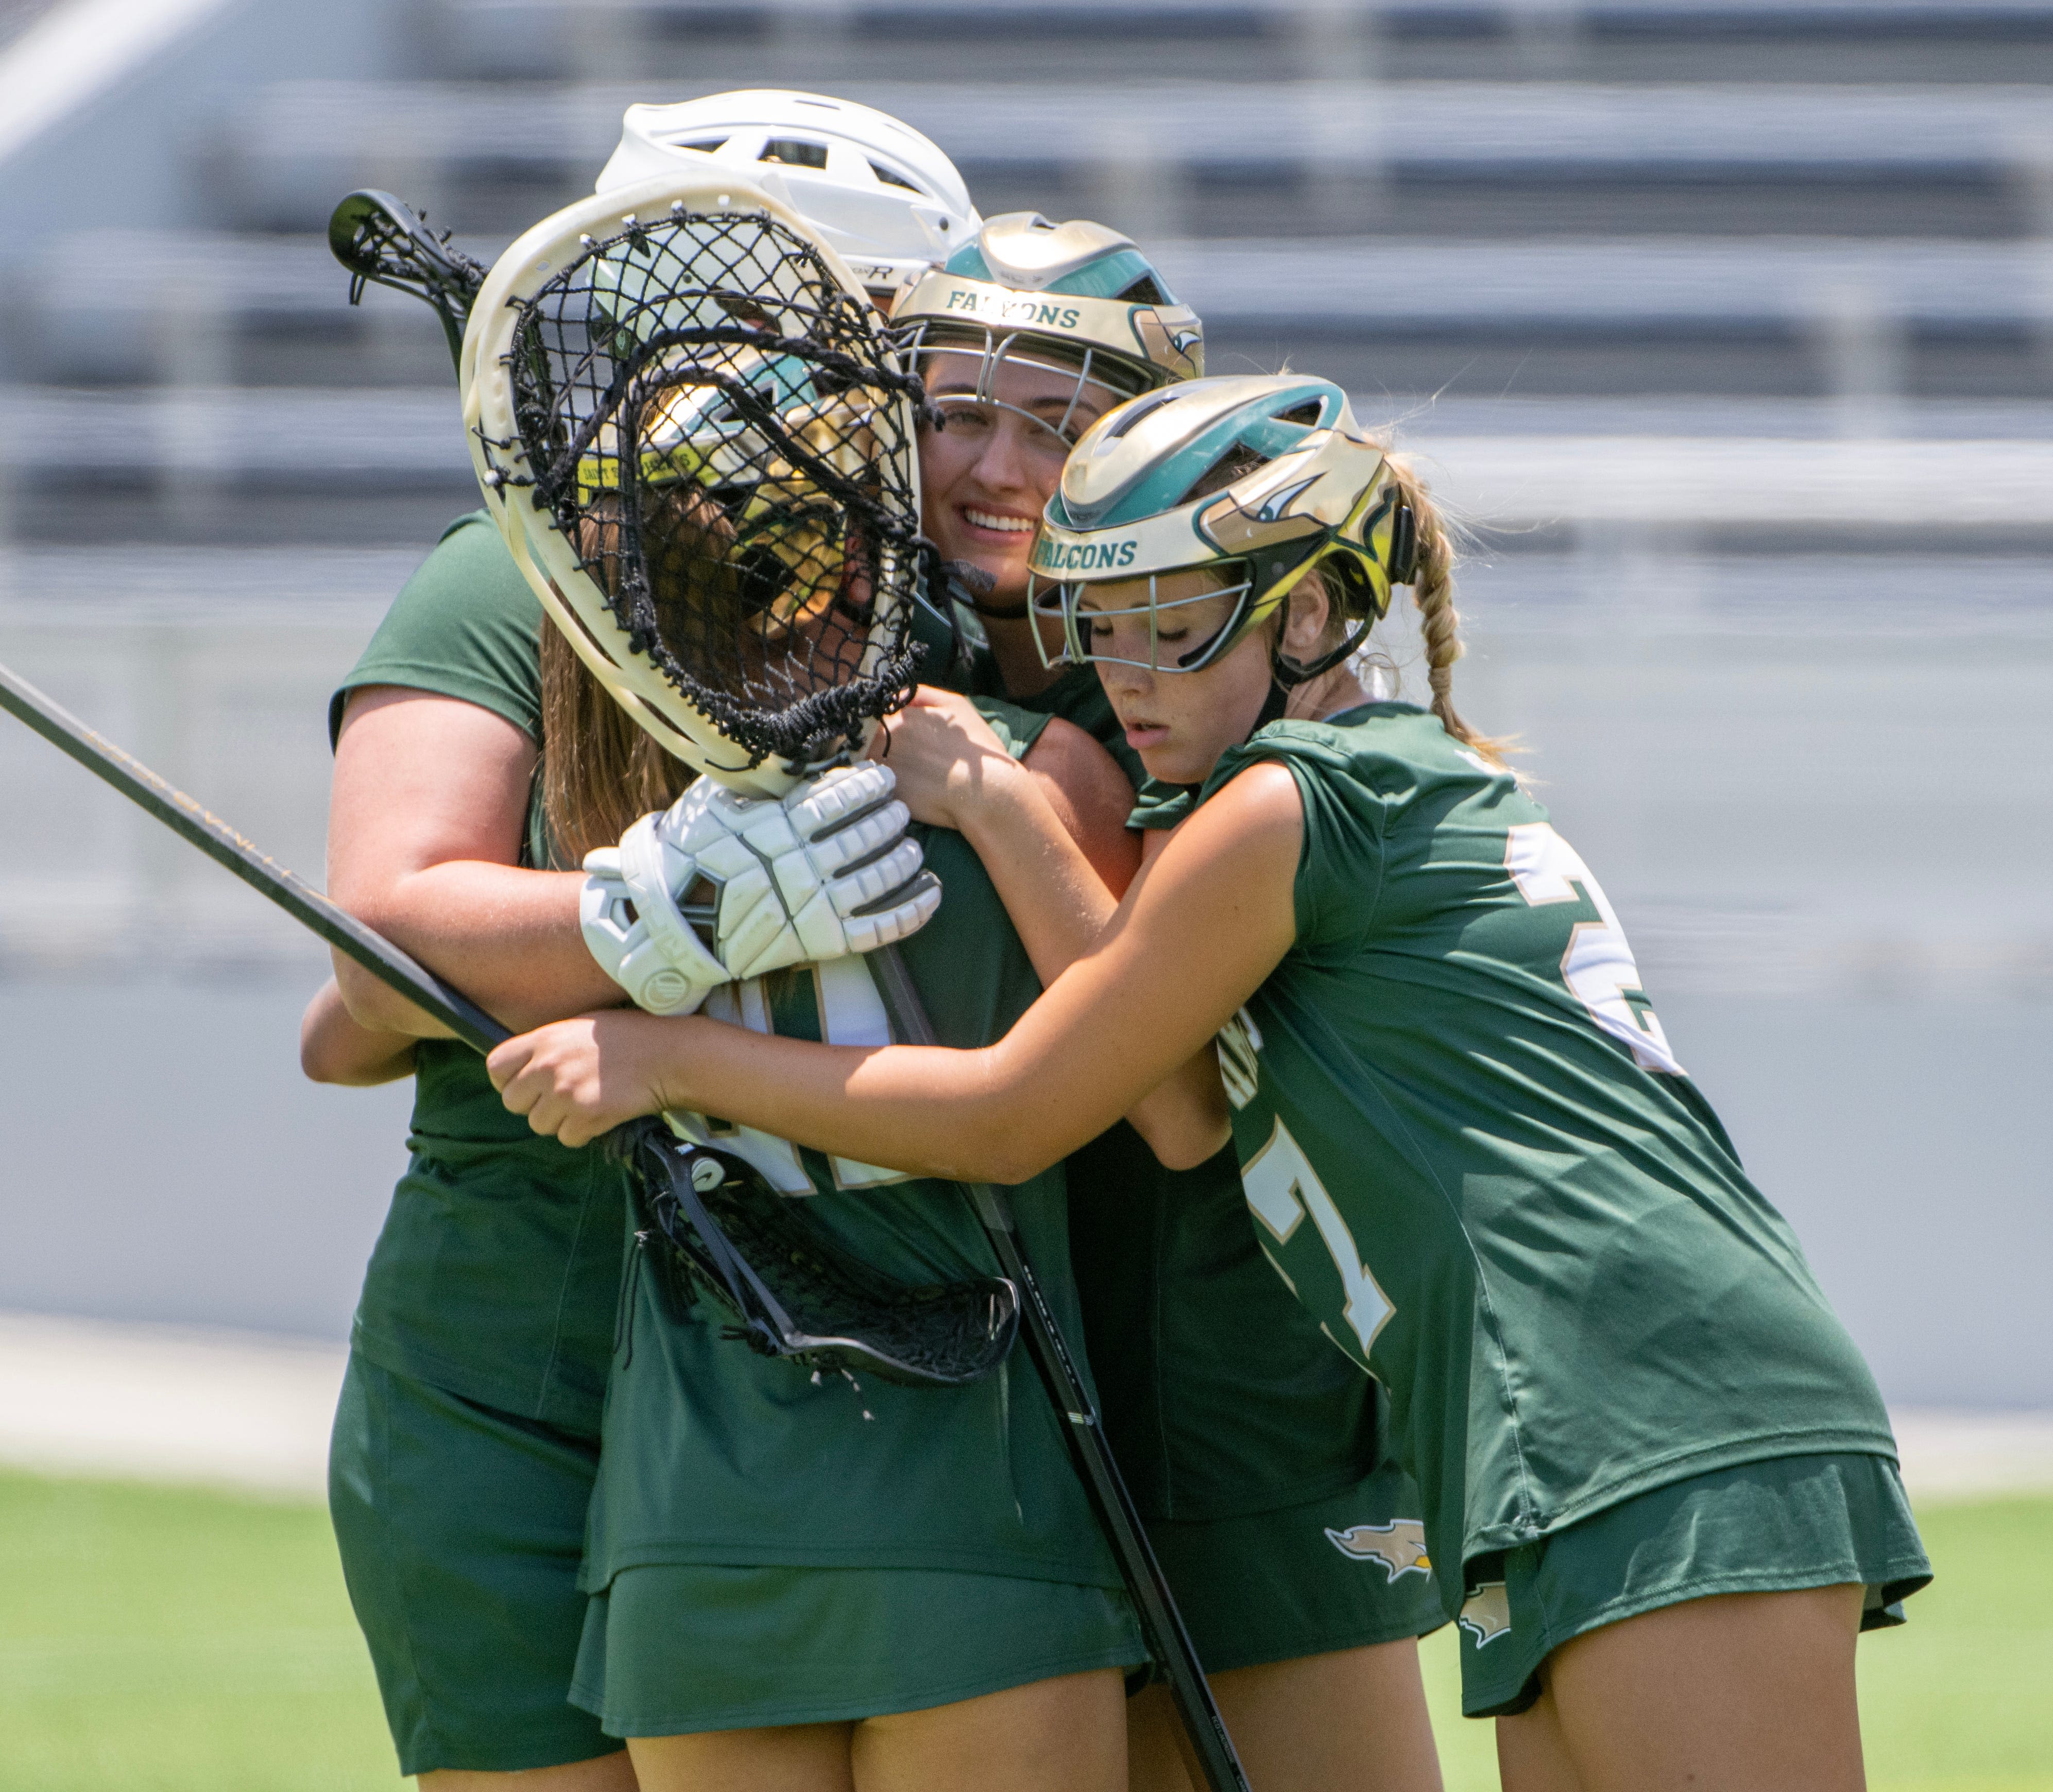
[
  {"x": 1259, "y": 479},
  {"x": 1075, "y": 298}
]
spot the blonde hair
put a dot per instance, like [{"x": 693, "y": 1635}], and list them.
[
  {"x": 1433, "y": 592},
  {"x": 600, "y": 772},
  {"x": 1439, "y": 623}
]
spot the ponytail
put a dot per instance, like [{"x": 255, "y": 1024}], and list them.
[
  {"x": 600, "y": 772},
  {"x": 1439, "y": 623}
]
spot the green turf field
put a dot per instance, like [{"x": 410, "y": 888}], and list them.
[{"x": 154, "y": 1640}]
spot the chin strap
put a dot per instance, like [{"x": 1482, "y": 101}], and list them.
[
  {"x": 1281, "y": 685},
  {"x": 1284, "y": 676},
  {"x": 979, "y": 584},
  {"x": 969, "y": 584}
]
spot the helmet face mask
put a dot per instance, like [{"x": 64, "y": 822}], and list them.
[
  {"x": 701, "y": 450},
  {"x": 964, "y": 370},
  {"x": 1076, "y": 295},
  {"x": 1028, "y": 335},
  {"x": 1258, "y": 481},
  {"x": 1079, "y": 624}
]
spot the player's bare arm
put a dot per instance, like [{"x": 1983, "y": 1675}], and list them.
[
  {"x": 336, "y": 1047},
  {"x": 1051, "y": 831},
  {"x": 425, "y": 831},
  {"x": 1199, "y": 930}
]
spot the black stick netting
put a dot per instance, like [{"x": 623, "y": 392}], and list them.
[
  {"x": 794, "y": 1292},
  {"x": 721, "y": 431}
]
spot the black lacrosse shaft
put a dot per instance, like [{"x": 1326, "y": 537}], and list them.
[
  {"x": 1161, "y": 1623},
  {"x": 225, "y": 847}
]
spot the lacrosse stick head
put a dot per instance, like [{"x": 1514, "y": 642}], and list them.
[
  {"x": 699, "y": 445},
  {"x": 383, "y": 241},
  {"x": 793, "y": 1293}
]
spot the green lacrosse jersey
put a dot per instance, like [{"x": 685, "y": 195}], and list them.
[
  {"x": 497, "y": 1271},
  {"x": 1221, "y": 1397},
  {"x": 713, "y": 1454},
  {"x": 1470, "y": 1150}
]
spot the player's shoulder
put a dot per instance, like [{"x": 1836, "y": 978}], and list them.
[
  {"x": 465, "y": 625},
  {"x": 471, "y": 566},
  {"x": 1018, "y": 729},
  {"x": 1386, "y": 751}
]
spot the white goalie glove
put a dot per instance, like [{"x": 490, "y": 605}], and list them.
[{"x": 824, "y": 870}]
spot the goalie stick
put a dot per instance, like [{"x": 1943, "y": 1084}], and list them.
[
  {"x": 596, "y": 414},
  {"x": 1161, "y": 1623}
]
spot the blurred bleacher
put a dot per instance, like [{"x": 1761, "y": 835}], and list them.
[
  {"x": 1727, "y": 325},
  {"x": 1716, "y": 318}
]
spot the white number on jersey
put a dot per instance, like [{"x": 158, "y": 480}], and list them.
[
  {"x": 1598, "y": 966},
  {"x": 1282, "y": 1187},
  {"x": 851, "y": 1013}
]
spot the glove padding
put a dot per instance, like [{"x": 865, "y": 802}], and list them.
[{"x": 825, "y": 870}]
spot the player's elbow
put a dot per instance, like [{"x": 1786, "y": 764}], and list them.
[
  {"x": 317, "y": 1064},
  {"x": 1185, "y": 1122},
  {"x": 1182, "y": 1142},
  {"x": 372, "y": 1003}
]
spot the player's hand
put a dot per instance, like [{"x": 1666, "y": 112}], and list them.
[
  {"x": 576, "y": 1080},
  {"x": 721, "y": 888},
  {"x": 946, "y": 756}
]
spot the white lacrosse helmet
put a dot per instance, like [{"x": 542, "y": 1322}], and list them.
[{"x": 886, "y": 198}]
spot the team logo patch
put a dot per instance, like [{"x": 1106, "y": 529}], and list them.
[
  {"x": 1399, "y": 1545},
  {"x": 1486, "y": 1613}
]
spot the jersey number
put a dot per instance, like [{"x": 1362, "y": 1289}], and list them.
[
  {"x": 1598, "y": 966},
  {"x": 851, "y": 1013},
  {"x": 1282, "y": 1187}
]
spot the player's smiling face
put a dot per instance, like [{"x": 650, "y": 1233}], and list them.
[
  {"x": 1178, "y": 722},
  {"x": 987, "y": 476}
]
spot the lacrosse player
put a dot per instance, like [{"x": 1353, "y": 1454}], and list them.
[
  {"x": 1660, "y": 1489},
  {"x": 477, "y": 762},
  {"x": 875, "y": 1564},
  {"x": 1249, "y": 1444}
]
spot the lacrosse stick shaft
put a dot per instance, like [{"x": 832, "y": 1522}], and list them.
[
  {"x": 1161, "y": 1623},
  {"x": 225, "y": 847}
]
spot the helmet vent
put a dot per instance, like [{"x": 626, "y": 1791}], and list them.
[
  {"x": 794, "y": 152},
  {"x": 1231, "y": 467},
  {"x": 1145, "y": 291},
  {"x": 705, "y": 146},
  {"x": 890, "y": 179},
  {"x": 1132, "y": 413},
  {"x": 1307, "y": 414}
]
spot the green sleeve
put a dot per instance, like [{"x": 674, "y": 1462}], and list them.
[
  {"x": 1076, "y": 696},
  {"x": 465, "y": 626},
  {"x": 1340, "y": 863},
  {"x": 1158, "y": 806},
  {"x": 1018, "y": 729}
]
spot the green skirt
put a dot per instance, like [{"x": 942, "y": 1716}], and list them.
[
  {"x": 1344, "y": 1572},
  {"x": 671, "y": 1650},
  {"x": 461, "y": 1529},
  {"x": 1773, "y": 1526}
]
